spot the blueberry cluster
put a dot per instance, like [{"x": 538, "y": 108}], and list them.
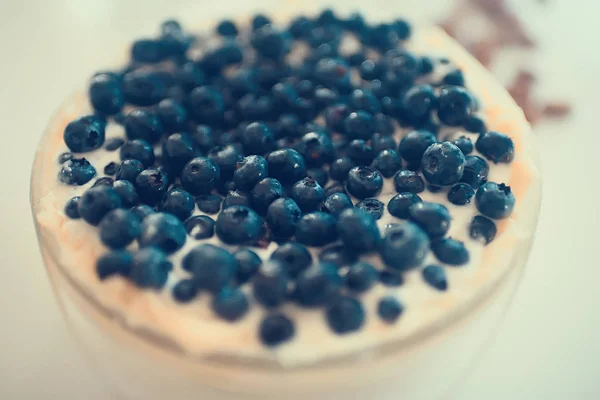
[{"x": 292, "y": 152}]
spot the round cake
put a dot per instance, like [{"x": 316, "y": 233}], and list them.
[{"x": 288, "y": 192}]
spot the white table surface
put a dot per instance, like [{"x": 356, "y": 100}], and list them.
[{"x": 547, "y": 348}]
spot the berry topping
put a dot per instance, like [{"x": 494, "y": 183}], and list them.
[
  {"x": 408, "y": 181},
  {"x": 417, "y": 103},
  {"x": 111, "y": 168},
  {"x": 335, "y": 203},
  {"x": 475, "y": 124},
  {"x": 495, "y": 200},
  {"x": 476, "y": 171},
  {"x": 143, "y": 124},
  {"x": 460, "y": 194},
  {"x": 211, "y": 267},
  {"x": 270, "y": 284},
  {"x": 450, "y": 251},
  {"x": 96, "y": 202},
  {"x": 105, "y": 94},
  {"x": 116, "y": 262},
  {"x": 339, "y": 168},
  {"x": 345, "y": 315},
  {"x": 230, "y": 304},
  {"x": 316, "y": 229},
  {"x": 464, "y": 144},
  {"x": 308, "y": 194},
  {"x": 358, "y": 230},
  {"x": 282, "y": 216},
  {"x": 443, "y": 164},
  {"x": 413, "y": 146},
  {"x": 177, "y": 150},
  {"x": 401, "y": 203},
  {"x": 433, "y": 218},
  {"x": 72, "y": 208},
  {"x": 85, "y": 134},
  {"x": 142, "y": 211},
  {"x": 236, "y": 198},
  {"x": 185, "y": 291},
  {"x": 144, "y": 87},
  {"x": 113, "y": 144},
  {"x": 496, "y": 147},
  {"x": 177, "y": 202},
  {"x": 200, "y": 175},
  {"x": 360, "y": 125},
  {"x": 391, "y": 278},
  {"x": 163, "y": 231},
  {"x": 172, "y": 115},
  {"x": 482, "y": 229},
  {"x": 118, "y": 228},
  {"x": 248, "y": 264},
  {"x": 317, "y": 286},
  {"x": 129, "y": 170},
  {"x": 372, "y": 206},
  {"x": 455, "y": 105},
  {"x": 389, "y": 309},
  {"x": 209, "y": 203},
  {"x": 294, "y": 257},
  {"x": 138, "y": 149},
  {"x": 64, "y": 157},
  {"x": 249, "y": 171},
  {"x": 270, "y": 43},
  {"x": 151, "y": 185},
  {"x": 150, "y": 268},
  {"x": 286, "y": 165},
  {"x": 238, "y": 225},
  {"x": 435, "y": 276},
  {"x": 276, "y": 329},
  {"x": 227, "y": 28},
  {"x": 76, "y": 171},
  {"x": 364, "y": 182},
  {"x": 387, "y": 162},
  {"x": 316, "y": 148},
  {"x": 257, "y": 138},
  {"x": 338, "y": 254},
  {"x": 361, "y": 277},
  {"x": 200, "y": 227},
  {"x": 404, "y": 246},
  {"x": 206, "y": 105},
  {"x": 226, "y": 158}
]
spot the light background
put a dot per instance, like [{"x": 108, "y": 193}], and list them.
[{"x": 549, "y": 346}]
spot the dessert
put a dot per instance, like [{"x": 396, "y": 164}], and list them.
[{"x": 291, "y": 193}]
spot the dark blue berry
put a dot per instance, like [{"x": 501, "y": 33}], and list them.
[
  {"x": 482, "y": 229},
  {"x": 460, "y": 194},
  {"x": 360, "y": 152},
  {"x": 249, "y": 171},
  {"x": 335, "y": 187},
  {"x": 414, "y": 144},
  {"x": 189, "y": 76},
  {"x": 111, "y": 168},
  {"x": 200, "y": 175},
  {"x": 371, "y": 69},
  {"x": 129, "y": 170},
  {"x": 260, "y": 20},
  {"x": 325, "y": 97},
  {"x": 285, "y": 95},
  {"x": 364, "y": 182},
  {"x": 238, "y": 225},
  {"x": 264, "y": 193},
  {"x": 435, "y": 276},
  {"x": 64, "y": 157},
  {"x": 316, "y": 229},
  {"x": 338, "y": 254},
  {"x": 319, "y": 175},
  {"x": 270, "y": 42},
  {"x": 443, "y": 164},
  {"x": 358, "y": 230},
  {"x": 496, "y": 147},
  {"x": 200, "y": 227},
  {"x": 236, "y": 198},
  {"x": 389, "y": 309},
  {"x": 401, "y": 203},
  {"x": 209, "y": 203},
  {"x": 212, "y": 267},
  {"x": 185, "y": 291},
  {"x": 427, "y": 65},
  {"x": 417, "y": 104},
  {"x": 85, "y": 134},
  {"x": 403, "y": 69},
  {"x": 118, "y": 228},
  {"x": 391, "y": 278},
  {"x": 345, "y": 315},
  {"x": 248, "y": 264},
  {"x": 204, "y": 138},
  {"x": 163, "y": 231},
  {"x": 308, "y": 194},
  {"x": 257, "y": 138},
  {"x": 276, "y": 329},
  {"x": 335, "y": 203},
  {"x": 226, "y": 158},
  {"x": 96, "y": 202},
  {"x": 172, "y": 115},
  {"x": 177, "y": 202},
  {"x": 144, "y": 87},
  {"x": 408, "y": 181},
  {"x": 150, "y": 268},
  {"x": 365, "y": 100},
  {"x": 287, "y": 126},
  {"x": 294, "y": 257},
  {"x": 495, "y": 200},
  {"x": 116, "y": 262},
  {"x": 316, "y": 148},
  {"x": 455, "y": 78},
  {"x": 76, "y": 171},
  {"x": 105, "y": 180},
  {"x": 433, "y": 218},
  {"x": 270, "y": 284},
  {"x": 300, "y": 27},
  {"x": 475, "y": 124},
  {"x": 227, "y": 28},
  {"x": 143, "y": 124},
  {"x": 361, "y": 277},
  {"x": 282, "y": 216},
  {"x": 339, "y": 168},
  {"x": 476, "y": 171},
  {"x": 335, "y": 116},
  {"x": 142, "y": 211},
  {"x": 404, "y": 246},
  {"x": 450, "y": 251},
  {"x": 71, "y": 208},
  {"x": 464, "y": 144},
  {"x": 332, "y": 73},
  {"x": 230, "y": 304},
  {"x": 317, "y": 286},
  {"x": 177, "y": 150},
  {"x": 372, "y": 206},
  {"x": 105, "y": 94},
  {"x": 380, "y": 142},
  {"x": 148, "y": 51},
  {"x": 454, "y": 105},
  {"x": 138, "y": 149},
  {"x": 151, "y": 185},
  {"x": 387, "y": 162},
  {"x": 206, "y": 105},
  {"x": 360, "y": 125}
]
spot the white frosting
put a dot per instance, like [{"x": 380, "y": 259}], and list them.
[{"x": 196, "y": 330}]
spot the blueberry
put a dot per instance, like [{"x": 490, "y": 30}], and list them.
[
  {"x": 209, "y": 203},
  {"x": 414, "y": 144},
  {"x": 335, "y": 187},
  {"x": 227, "y": 28},
  {"x": 450, "y": 251},
  {"x": 105, "y": 180},
  {"x": 380, "y": 142},
  {"x": 189, "y": 76},
  {"x": 85, "y": 134},
  {"x": 496, "y": 147},
  {"x": 71, "y": 209},
  {"x": 177, "y": 150},
  {"x": 76, "y": 171},
  {"x": 200, "y": 227},
  {"x": 401, "y": 203},
  {"x": 206, "y": 105},
  {"x": 260, "y": 20},
  {"x": 358, "y": 230},
  {"x": 325, "y": 97},
  {"x": 464, "y": 144},
  {"x": 345, "y": 315},
  {"x": 476, "y": 171},
  {"x": 270, "y": 43},
  {"x": 105, "y": 94},
  {"x": 230, "y": 304},
  {"x": 143, "y": 124},
  {"x": 360, "y": 152},
  {"x": 129, "y": 170},
  {"x": 236, "y": 198},
  {"x": 475, "y": 124},
  {"x": 127, "y": 193},
  {"x": 300, "y": 27},
  {"x": 316, "y": 148},
  {"x": 118, "y": 228},
  {"x": 435, "y": 188},
  {"x": 404, "y": 246},
  {"x": 115, "y": 262},
  {"x": 226, "y": 158},
  {"x": 151, "y": 185},
  {"x": 204, "y": 138},
  {"x": 417, "y": 103},
  {"x": 248, "y": 264},
  {"x": 163, "y": 231},
  {"x": 455, "y": 78},
  {"x": 454, "y": 105},
  {"x": 427, "y": 65},
  {"x": 364, "y": 182},
  {"x": 360, "y": 125},
  {"x": 111, "y": 168},
  {"x": 403, "y": 69},
  {"x": 372, "y": 206},
  {"x": 150, "y": 268},
  {"x": 257, "y": 138},
  {"x": 308, "y": 194},
  {"x": 148, "y": 51},
  {"x": 371, "y": 69},
  {"x": 138, "y": 149},
  {"x": 238, "y": 225},
  {"x": 482, "y": 229},
  {"x": 408, "y": 181},
  {"x": 285, "y": 95},
  {"x": 270, "y": 284},
  {"x": 460, "y": 194},
  {"x": 172, "y": 115},
  {"x": 387, "y": 162},
  {"x": 212, "y": 267},
  {"x": 495, "y": 200},
  {"x": 96, "y": 202},
  {"x": 355, "y": 22},
  {"x": 282, "y": 216},
  {"x": 335, "y": 116},
  {"x": 287, "y": 126},
  {"x": 365, "y": 100},
  {"x": 339, "y": 168},
  {"x": 264, "y": 193},
  {"x": 294, "y": 257},
  {"x": 338, "y": 254},
  {"x": 332, "y": 72},
  {"x": 177, "y": 202},
  {"x": 443, "y": 164},
  {"x": 185, "y": 291},
  {"x": 214, "y": 60},
  {"x": 391, "y": 278},
  {"x": 433, "y": 218},
  {"x": 317, "y": 286},
  {"x": 389, "y": 309},
  {"x": 435, "y": 276},
  {"x": 200, "y": 175},
  {"x": 249, "y": 171},
  {"x": 319, "y": 175},
  {"x": 316, "y": 229},
  {"x": 361, "y": 277},
  {"x": 276, "y": 329},
  {"x": 144, "y": 87},
  {"x": 335, "y": 203},
  {"x": 142, "y": 211},
  {"x": 64, "y": 157}
]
